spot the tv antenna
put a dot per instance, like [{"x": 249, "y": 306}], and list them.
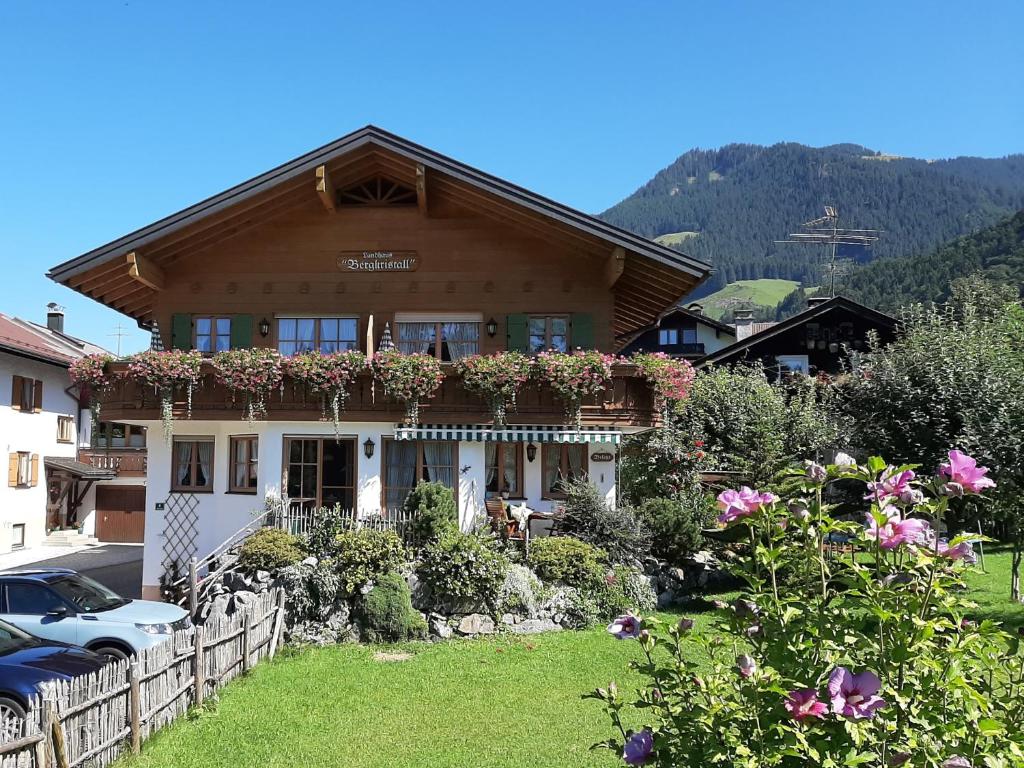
[
  {"x": 825, "y": 230},
  {"x": 120, "y": 333}
]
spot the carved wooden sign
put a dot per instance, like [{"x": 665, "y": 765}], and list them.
[
  {"x": 378, "y": 261},
  {"x": 602, "y": 456}
]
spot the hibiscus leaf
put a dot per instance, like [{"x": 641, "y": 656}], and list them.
[{"x": 989, "y": 727}]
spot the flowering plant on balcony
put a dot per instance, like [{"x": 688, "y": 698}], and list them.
[
  {"x": 252, "y": 373},
  {"x": 497, "y": 378},
  {"x": 670, "y": 378},
  {"x": 573, "y": 377},
  {"x": 873, "y": 657},
  {"x": 90, "y": 373},
  {"x": 409, "y": 378},
  {"x": 329, "y": 376},
  {"x": 164, "y": 371}
]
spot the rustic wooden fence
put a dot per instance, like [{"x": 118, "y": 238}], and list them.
[{"x": 93, "y": 719}]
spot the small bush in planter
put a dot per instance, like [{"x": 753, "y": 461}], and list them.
[
  {"x": 463, "y": 569},
  {"x": 617, "y": 531},
  {"x": 675, "y": 525},
  {"x": 366, "y": 555},
  {"x": 432, "y": 506},
  {"x": 269, "y": 549},
  {"x": 387, "y": 612},
  {"x": 569, "y": 561}
]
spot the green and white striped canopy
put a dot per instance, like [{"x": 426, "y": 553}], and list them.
[{"x": 485, "y": 433}]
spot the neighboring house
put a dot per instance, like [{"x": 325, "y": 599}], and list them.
[
  {"x": 745, "y": 325},
  {"x": 684, "y": 332},
  {"x": 373, "y": 235},
  {"x": 50, "y": 488},
  {"x": 812, "y": 342}
]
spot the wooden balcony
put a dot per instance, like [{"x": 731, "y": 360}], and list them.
[
  {"x": 628, "y": 402},
  {"x": 126, "y": 462}
]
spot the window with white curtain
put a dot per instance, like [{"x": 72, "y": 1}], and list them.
[
  {"x": 407, "y": 462},
  {"x": 504, "y": 468},
  {"x": 562, "y": 462},
  {"x": 447, "y": 337},
  {"x": 192, "y": 465},
  {"x": 322, "y": 334}
]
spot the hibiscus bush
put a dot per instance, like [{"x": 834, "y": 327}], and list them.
[
  {"x": 496, "y": 378},
  {"x": 408, "y": 378},
  {"x": 252, "y": 374},
  {"x": 833, "y": 658}
]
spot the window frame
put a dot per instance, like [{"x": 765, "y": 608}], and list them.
[
  {"x": 251, "y": 460},
  {"x": 213, "y": 335},
  {"x": 318, "y": 466},
  {"x": 24, "y": 462},
  {"x": 420, "y": 464},
  {"x": 499, "y": 458},
  {"x": 26, "y": 394},
  {"x": 547, "y": 318},
  {"x": 176, "y": 486},
  {"x": 668, "y": 337},
  {"x": 564, "y": 468},
  {"x": 16, "y": 541},
  {"x": 804, "y": 360},
  {"x": 317, "y": 340},
  {"x": 65, "y": 424},
  {"x": 439, "y": 319}
]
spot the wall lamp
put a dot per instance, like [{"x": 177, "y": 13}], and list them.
[
  {"x": 264, "y": 327},
  {"x": 492, "y": 327},
  {"x": 368, "y": 447},
  {"x": 531, "y": 452}
]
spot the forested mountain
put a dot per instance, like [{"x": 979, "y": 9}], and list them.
[
  {"x": 997, "y": 252},
  {"x": 728, "y": 206}
]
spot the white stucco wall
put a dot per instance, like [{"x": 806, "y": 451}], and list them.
[
  {"x": 222, "y": 513},
  {"x": 35, "y": 433},
  {"x": 712, "y": 340}
]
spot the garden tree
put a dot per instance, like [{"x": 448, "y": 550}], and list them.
[
  {"x": 954, "y": 376},
  {"x": 734, "y": 419}
]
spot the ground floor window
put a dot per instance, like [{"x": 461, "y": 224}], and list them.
[
  {"x": 562, "y": 462},
  {"x": 244, "y": 463},
  {"x": 406, "y": 462},
  {"x": 321, "y": 471},
  {"x": 18, "y": 536},
  {"x": 505, "y": 469},
  {"x": 192, "y": 465}
]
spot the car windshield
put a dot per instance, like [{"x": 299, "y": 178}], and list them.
[
  {"x": 12, "y": 638},
  {"x": 88, "y": 595}
]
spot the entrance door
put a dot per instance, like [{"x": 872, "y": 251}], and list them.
[
  {"x": 121, "y": 513},
  {"x": 321, "y": 472}
]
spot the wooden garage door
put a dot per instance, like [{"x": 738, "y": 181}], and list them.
[{"x": 120, "y": 513}]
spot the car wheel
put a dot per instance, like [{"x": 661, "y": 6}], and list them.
[
  {"x": 112, "y": 652},
  {"x": 12, "y": 720}
]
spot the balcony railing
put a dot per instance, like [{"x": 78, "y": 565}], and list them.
[
  {"x": 127, "y": 462},
  {"x": 627, "y": 402}
]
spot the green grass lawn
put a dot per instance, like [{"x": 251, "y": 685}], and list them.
[
  {"x": 765, "y": 293},
  {"x": 501, "y": 703}
]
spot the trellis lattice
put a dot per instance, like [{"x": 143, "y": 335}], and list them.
[{"x": 181, "y": 530}]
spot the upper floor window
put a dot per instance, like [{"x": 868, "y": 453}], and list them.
[
  {"x": 549, "y": 332},
  {"x": 26, "y": 394},
  {"x": 668, "y": 337},
  {"x": 322, "y": 334},
  {"x": 444, "y": 337},
  {"x": 213, "y": 334},
  {"x": 23, "y": 469},
  {"x": 65, "y": 429}
]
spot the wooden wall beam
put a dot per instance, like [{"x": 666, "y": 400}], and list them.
[
  {"x": 142, "y": 270},
  {"x": 421, "y": 189},
  {"x": 615, "y": 265},
  {"x": 324, "y": 188}
]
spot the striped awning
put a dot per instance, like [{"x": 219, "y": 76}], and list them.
[{"x": 485, "y": 433}]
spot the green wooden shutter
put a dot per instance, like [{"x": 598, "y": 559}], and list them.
[
  {"x": 582, "y": 330},
  {"x": 517, "y": 332},
  {"x": 241, "y": 331},
  {"x": 181, "y": 331}
]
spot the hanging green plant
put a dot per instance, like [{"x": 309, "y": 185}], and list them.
[
  {"x": 164, "y": 371},
  {"x": 330, "y": 376},
  {"x": 408, "y": 378},
  {"x": 496, "y": 378},
  {"x": 573, "y": 377},
  {"x": 89, "y": 373},
  {"x": 669, "y": 377},
  {"x": 251, "y": 373}
]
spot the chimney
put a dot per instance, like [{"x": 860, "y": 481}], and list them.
[
  {"x": 696, "y": 308},
  {"x": 743, "y": 316},
  {"x": 815, "y": 301},
  {"x": 55, "y": 317}
]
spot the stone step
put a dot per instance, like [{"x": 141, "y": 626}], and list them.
[{"x": 69, "y": 539}]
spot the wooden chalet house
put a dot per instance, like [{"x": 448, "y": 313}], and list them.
[
  {"x": 684, "y": 332},
  {"x": 368, "y": 233}
]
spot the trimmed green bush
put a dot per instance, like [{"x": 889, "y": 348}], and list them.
[
  {"x": 366, "y": 555},
  {"x": 463, "y": 567},
  {"x": 432, "y": 506},
  {"x": 387, "y": 612},
  {"x": 566, "y": 560},
  {"x": 675, "y": 525},
  {"x": 269, "y": 549},
  {"x": 617, "y": 531},
  {"x": 325, "y": 525}
]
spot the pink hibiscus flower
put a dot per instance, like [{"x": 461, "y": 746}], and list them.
[
  {"x": 896, "y": 530},
  {"x": 964, "y": 471},
  {"x": 802, "y": 704}
]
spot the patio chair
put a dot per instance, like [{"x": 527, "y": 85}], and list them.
[{"x": 503, "y": 525}]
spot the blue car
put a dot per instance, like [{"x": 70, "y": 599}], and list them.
[
  {"x": 27, "y": 661},
  {"x": 60, "y": 604}
]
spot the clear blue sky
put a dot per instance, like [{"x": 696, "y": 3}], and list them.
[{"x": 113, "y": 114}]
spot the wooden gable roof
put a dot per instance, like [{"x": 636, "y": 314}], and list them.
[{"x": 126, "y": 273}]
